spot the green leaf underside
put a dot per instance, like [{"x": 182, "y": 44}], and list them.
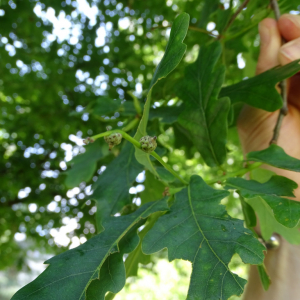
[
  {"x": 276, "y": 185},
  {"x": 286, "y": 211},
  {"x": 84, "y": 165},
  {"x": 112, "y": 273},
  {"x": 137, "y": 256},
  {"x": 173, "y": 55},
  {"x": 205, "y": 116},
  {"x": 198, "y": 229},
  {"x": 269, "y": 225},
  {"x": 264, "y": 277},
  {"x": 111, "y": 188},
  {"x": 249, "y": 213},
  {"x": 70, "y": 273},
  {"x": 260, "y": 91},
  {"x": 153, "y": 189},
  {"x": 276, "y": 157}
]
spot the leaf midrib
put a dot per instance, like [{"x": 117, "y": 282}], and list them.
[
  {"x": 194, "y": 216},
  {"x": 116, "y": 244},
  {"x": 103, "y": 260}
]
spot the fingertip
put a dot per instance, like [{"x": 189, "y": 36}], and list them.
[
  {"x": 289, "y": 52},
  {"x": 265, "y": 28},
  {"x": 270, "y": 44},
  {"x": 289, "y": 26},
  {"x": 268, "y": 22}
]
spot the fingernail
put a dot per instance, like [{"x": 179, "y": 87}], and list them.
[
  {"x": 264, "y": 33},
  {"x": 291, "y": 50}
]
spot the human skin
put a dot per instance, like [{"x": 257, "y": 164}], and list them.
[{"x": 255, "y": 128}]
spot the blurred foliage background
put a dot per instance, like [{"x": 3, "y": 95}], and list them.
[{"x": 67, "y": 70}]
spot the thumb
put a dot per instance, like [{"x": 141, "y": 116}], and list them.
[{"x": 270, "y": 42}]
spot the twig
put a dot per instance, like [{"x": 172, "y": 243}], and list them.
[
  {"x": 191, "y": 28},
  {"x": 203, "y": 30},
  {"x": 239, "y": 172},
  {"x": 243, "y": 5},
  {"x": 283, "y": 86},
  {"x": 137, "y": 145}
]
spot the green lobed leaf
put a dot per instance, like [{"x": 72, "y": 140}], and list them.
[
  {"x": 173, "y": 55},
  {"x": 286, "y": 211},
  {"x": 111, "y": 190},
  {"x": 84, "y": 165},
  {"x": 260, "y": 91},
  {"x": 112, "y": 273},
  {"x": 205, "y": 116},
  {"x": 112, "y": 278},
  {"x": 276, "y": 185},
  {"x": 276, "y": 157},
  {"x": 268, "y": 224},
  {"x": 198, "y": 229},
  {"x": 70, "y": 273}
]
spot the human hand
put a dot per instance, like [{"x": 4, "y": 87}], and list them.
[{"x": 256, "y": 126}]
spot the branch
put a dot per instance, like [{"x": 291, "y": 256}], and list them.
[
  {"x": 243, "y": 5},
  {"x": 283, "y": 87},
  {"x": 203, "y": 31},
  {"x": 138, "y": 145},
  {"x": 191, "y": 28}
]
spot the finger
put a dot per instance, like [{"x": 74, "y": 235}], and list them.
[
  {"x": 289, "y": 51},
  {"x": 270, "y": 42},
  {"x": 289, "y": 26}
]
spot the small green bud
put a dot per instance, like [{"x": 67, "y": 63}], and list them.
[
  {"x": 148, "y": 143},
  {"x": 113, "y": 139},
  {"x": 88, "y": 140}
]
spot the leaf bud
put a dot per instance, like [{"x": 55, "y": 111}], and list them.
[
  {"x": 88, "y": 140},
  {"x": 113, "y": 139},
  {"x": 148, "y": 143}
]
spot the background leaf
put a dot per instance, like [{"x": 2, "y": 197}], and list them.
[
  {"x": 204, "y": 115},
  {"x": 259, "y": 91},
  {"x": 198, "y": 229},
  {"x": 106, "y": 106}
]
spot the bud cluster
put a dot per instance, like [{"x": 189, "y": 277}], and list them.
[
  {"x": 88, "y": 140},
  {"x": 113, "y": 139},
  {"x": 148, "y": 143}
]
